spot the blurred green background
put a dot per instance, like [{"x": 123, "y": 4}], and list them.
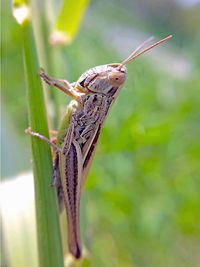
[{"x": 142, "y": 201}]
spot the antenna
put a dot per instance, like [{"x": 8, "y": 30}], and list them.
[{"x": 133, "y": 54}]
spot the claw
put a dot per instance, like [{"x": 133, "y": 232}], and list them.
[
  {"x": 44, "y": 76},
  {"x": 27, "y": 131},
  {"x": 42, "y": 72}
]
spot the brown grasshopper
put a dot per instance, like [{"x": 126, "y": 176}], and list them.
[{"x": 93, "y": 94}]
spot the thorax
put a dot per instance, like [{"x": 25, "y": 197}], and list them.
[{"x": 92, "y": 113}]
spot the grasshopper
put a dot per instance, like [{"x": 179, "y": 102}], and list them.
[{"x": 93, "y": 95}]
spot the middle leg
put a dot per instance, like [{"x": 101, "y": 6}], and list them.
[{"x": 28, "y": 131}]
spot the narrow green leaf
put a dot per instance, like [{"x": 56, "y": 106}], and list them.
[
  {"x": 68, "y": 21},
  {"x": 48, "y": 230}
]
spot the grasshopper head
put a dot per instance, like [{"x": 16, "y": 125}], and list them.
[
  {"x": 104, "y": 79},
  {"x": 109, "y": 79}
]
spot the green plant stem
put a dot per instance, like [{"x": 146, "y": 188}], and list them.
[
  {"x": 45, "y": 52},
  {"x": 41, "y": 29},
  {"x": 48, "y": 230}
]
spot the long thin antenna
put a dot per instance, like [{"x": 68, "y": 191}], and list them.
[
  {"x": 133, "y": 56},
  {"x": 136, "y": 50}
]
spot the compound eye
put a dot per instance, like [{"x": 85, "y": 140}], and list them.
[{"x": 117, "y": 78}]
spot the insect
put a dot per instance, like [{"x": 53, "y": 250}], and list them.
[{"x": 93, "y": 95}]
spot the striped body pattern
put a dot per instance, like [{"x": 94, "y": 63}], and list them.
[{"x": 78, "y": 142}]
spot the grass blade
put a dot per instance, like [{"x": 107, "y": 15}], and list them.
[
  {"x": 48, "y": 230},
  {"x": 68, "y": 21}
]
